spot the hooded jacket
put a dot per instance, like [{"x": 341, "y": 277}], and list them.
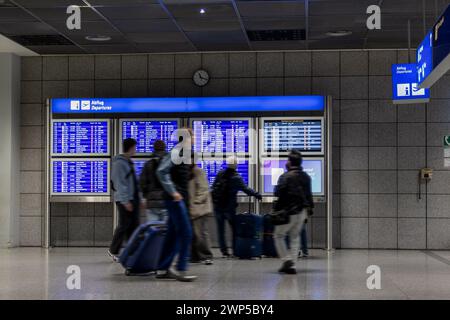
[
  {"x": 149, "y": 182},
  {"x": 124, "y": 181}
]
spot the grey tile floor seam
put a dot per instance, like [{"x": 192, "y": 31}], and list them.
[{"x": 34, "y": 273}]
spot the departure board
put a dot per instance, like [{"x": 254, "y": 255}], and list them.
[
  {"x": 80, "y": 177},
  {"x": 273, "y": 168},
  {"x": 146, "y": 132},
  {"x": 139, "y": 166},
  {"x": 284, "y": 135},
  {"x": 221, "y": 136},
  {"x": 213, "y": 166},
  {"x": 80, "y": 137}
]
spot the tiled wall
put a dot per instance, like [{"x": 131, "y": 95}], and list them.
[{"x": 378, "y": 147}]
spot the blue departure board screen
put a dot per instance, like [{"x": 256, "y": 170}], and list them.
[
  {"x": 213, "y": 166},
  {"x": 221, "y": 136},
  {"x": 139, "y": 166},
  {"x": 80, "y": 177},
  {"x": 80, "y": 137},
  {"x": 301, "y": 134},
  {"x": 146, "y": 132}
]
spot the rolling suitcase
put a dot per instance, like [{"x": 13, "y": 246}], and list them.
[
  {"x": 143, "y": 250},
  {"x": 248, "y": 235}
]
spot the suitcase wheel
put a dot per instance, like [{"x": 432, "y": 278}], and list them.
[{"x": 127, "y": 272}]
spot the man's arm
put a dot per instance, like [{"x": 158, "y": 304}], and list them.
[
  {"x": 163, "y": 174},
  {"x": 308, "y": 192},
  {"x": 120, "y": 183},
  {"x": 241, "y": 186}
]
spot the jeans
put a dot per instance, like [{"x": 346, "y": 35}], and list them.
[
  {"x": 128, "y": 222},
  {"x": 157, "y": 214},
  {"x": 304, "y": 240},
  {"x": 221, "y": 217},
  {"x": 178, "y": 236},
  {"x": 292, "y": 229}
]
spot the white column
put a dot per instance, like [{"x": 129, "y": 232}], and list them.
[{"x": 9, "y": 150}]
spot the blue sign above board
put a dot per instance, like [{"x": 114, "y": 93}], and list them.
[
  {"x": 433, "y": 54},
  {"x": 405, "y": 88},
  {"x": 188, "y": 105}
]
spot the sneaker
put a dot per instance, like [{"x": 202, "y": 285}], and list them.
[
  {"x": 166, "y": 275},
  {"x": 226, "y": 255},
  {"x": 305, "y": 254},
  {"x": 114, "y": 257},
  {"x": 286, "y": 267},
  {"x": 208, "y": 262},
  {"x": 184, "y": 277},
  {"x": 291, "y": 270}
]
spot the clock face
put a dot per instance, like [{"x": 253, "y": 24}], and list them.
[{"x": 201, "y": 78}]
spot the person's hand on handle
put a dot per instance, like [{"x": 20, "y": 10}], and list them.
[
  {"x": 129, "y": 207},
  {"x": 177, "y": 197}
]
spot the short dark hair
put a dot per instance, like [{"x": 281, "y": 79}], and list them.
[
  {"x": 128, "y": 144},
  {"x": 159, "y": 145},
  {"x": 295, "y": 158}
]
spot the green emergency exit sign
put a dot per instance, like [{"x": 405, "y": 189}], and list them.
[{"x": 447, "y": 141}]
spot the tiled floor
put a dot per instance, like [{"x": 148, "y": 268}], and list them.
[{"x": 32, "y": 273}]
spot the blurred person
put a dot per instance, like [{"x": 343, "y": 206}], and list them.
[{"x": 225, "y": 188}]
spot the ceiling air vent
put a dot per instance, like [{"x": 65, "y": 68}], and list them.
[
  {"x": 277, "y": 35},
  {"x": 41, "y": 40}
]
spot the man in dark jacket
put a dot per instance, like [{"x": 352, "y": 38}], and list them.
[
  {"x": 294, "y": 196},
  {"x": 225, "y": 188},
  {"x": 151, "y": 188}
]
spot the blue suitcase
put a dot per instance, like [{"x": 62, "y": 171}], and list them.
[
  {"x": 143, "y": 250},
  {"x": 248, "y": 236}
]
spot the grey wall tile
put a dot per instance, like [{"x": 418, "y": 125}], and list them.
[
  {"x": 81, "y": 231},
  {"x": 107, "y": 67},
  {"x": 80, "y": 209},
  {"x": 380, "y": 62},
  {"x": 217, "y": 64},
  {"x": 411, "y": 113},
  {"x": 411, "y": 134},
  {"x": 354, "y": 111},
  {"x": 108, "y": 88},
  {"x": 186, "y": 88},
  {"x": 355, "y": 233},
  {"x": 412, "y": 233},
  {"x": 380, "y": 87},
  {"x": 103, "y": 209},
  {"x": 382, "y": 111},
  {"x": 336, "y": 111},
  {"x": 336, "y": 181},
  {"x": 382, "y": 158},
  {"x": 216, "y": 88},
  {"x": 337, "y": 233},
  {"x": 161, "y": 66},
  {"x": 297, "y": 64},
  {"x": 354, "y": 88},
  {"x": 243, "y": 87},
  {"x": 134, "y": 88},
  {"x": 440, "y": 89},
  {"x": 242, "y": 65},
  {"x": 383, "y": 233},
  {"x": 437, "y": 111},
  {"x": 354, "y": 135},
  {"x": 54, "y": 89},
  {"x": 354, "y": 158},
  {"x": 402, "y": 56},
  {"x": 410, "y": 206},
  {"x": 58, "y": 209},
  {"x": 31, "y": 92},
  {"x": 336, "y": 158},
  {"x": 187, "y": 64},
  {"x": 31, "y": 205},
  {"x": 411, "y": 157},
  {"x": 319, "y": 232},
  {"x": 269, "y": 64},
  {"x": 408, "y": 181},
  {"x": 436, "y": 133},
  {"x": 435, "y": 158},
  {"x": 383, "y": 181},
  {"x": 134, "y": 66},
  {"x": 81, "y": 88},
  {"x": 297, "y": 86},
  {"x": 438, "y": 236},
  {"x": 440, "y": 183},
  {"x": 30, "y": 231},
  {"x": 354, "y": 63},
  {"x": 382, "y": 134},
  {"x": 336, "y": 135},
  {"x": 59, "y": 231},
  {"x": 327, "y": 86},
  {"x": 81, "y": 68},
  {"x": 31, "y": 114},
  {"x": 30, "y": 159},
  {"x": 336, "y": 205},
  {"x": 383, "y": 205},
  {"x": 437, "y": 206},
  {"x": 31, "y": 137},
  {"x": 325, "y": 63},
  {"x": 354, "y": 205},
  {"x": 270, "y": 86},
  {"x": 161, "y": 88},
  {"x": 55, "y": 68},
  {"x": 103, "y": 231},
  {"x": 354, "y": 182},
  {"x": 31, "y": 68}
]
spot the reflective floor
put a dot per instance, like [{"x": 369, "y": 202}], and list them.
[{"x": 32, "y": 273}]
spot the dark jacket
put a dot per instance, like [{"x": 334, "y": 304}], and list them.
[
  {"x": 294, "y": 191},
  {"x": 151, "y": 188},
  {"x": 234, "y": 183}
]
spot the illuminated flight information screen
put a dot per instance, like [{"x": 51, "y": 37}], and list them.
[
  {"x": 80, "y": 177},
  {"x": 221, "y": 136},
  {"x": 146, "y": 132},
  {"x": 285, "y": 135},
  {"x": 213, "y": 166},
  {"x": 139, "y": 166},
  {"x": 80, "y": 138}
]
